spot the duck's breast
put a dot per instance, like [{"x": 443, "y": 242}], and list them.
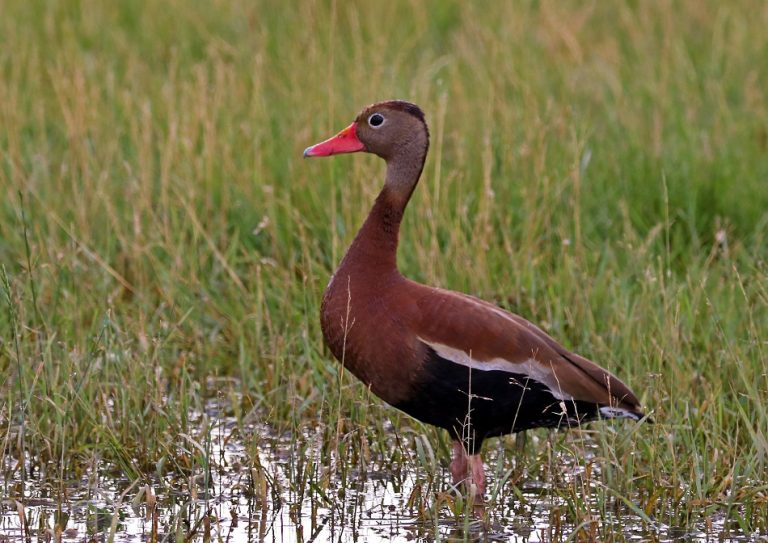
[{"x": 367, "y": 324}]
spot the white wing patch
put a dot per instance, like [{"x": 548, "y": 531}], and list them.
[
  {"x": 618, "y": 412},
  {"x": 531, "y": 368}
]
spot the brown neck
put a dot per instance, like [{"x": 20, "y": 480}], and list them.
[{"x": 375, "y": 246}]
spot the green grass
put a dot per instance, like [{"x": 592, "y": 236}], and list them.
[{"x": 598, "y": 167}]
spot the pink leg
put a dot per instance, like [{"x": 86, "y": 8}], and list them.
[
  {"x": 477, "y": 475},
  {"x": 459, "y": 466},
  {"x": 468, "y": 470}
]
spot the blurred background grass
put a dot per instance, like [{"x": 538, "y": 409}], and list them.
[{"x": 599, "y": 167}]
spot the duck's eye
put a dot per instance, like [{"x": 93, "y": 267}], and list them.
[{"x": 376, "y": 120}]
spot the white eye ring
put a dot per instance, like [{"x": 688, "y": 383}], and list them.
[{"x": 376, "y": 120}]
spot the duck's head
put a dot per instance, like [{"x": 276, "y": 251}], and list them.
[{"x": 388, "y": 129}]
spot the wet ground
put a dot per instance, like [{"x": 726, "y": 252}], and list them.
[{"x": 285, "y": 496}]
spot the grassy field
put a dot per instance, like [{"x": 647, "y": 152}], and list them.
[{"x": 600, "y": 168}]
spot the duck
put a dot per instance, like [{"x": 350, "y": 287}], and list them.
[{"x": 445, "y": 358}]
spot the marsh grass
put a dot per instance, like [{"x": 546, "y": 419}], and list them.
[{"x": 599, "y": 168}]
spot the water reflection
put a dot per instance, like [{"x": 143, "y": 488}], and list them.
[{"x": 284, "y": 493}]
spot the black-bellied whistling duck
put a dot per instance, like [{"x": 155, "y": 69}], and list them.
[{"x": 445, "y": 358}]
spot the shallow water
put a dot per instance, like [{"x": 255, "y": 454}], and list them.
[{"x": 281, "y": 497}]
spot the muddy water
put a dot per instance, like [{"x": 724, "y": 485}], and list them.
[{"x": 234, "y": 501}]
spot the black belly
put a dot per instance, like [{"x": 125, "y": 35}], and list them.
[{"x": 474, "y": 404}]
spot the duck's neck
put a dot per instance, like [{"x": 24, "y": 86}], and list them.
[{"x": 375, "y": 246}]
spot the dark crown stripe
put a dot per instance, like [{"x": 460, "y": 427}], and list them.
[{"x": 407, "y": 107}]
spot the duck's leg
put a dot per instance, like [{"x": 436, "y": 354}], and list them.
[
  {"x": 459, "y": 464},
  {"x": 468, "y": 470},
  {"x": 476, "y": 476}
]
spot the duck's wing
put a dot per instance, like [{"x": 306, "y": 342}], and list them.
[{"x": 468, "y": 331}]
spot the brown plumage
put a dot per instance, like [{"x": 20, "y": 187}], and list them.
[{"x": 446, "y": 358}]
